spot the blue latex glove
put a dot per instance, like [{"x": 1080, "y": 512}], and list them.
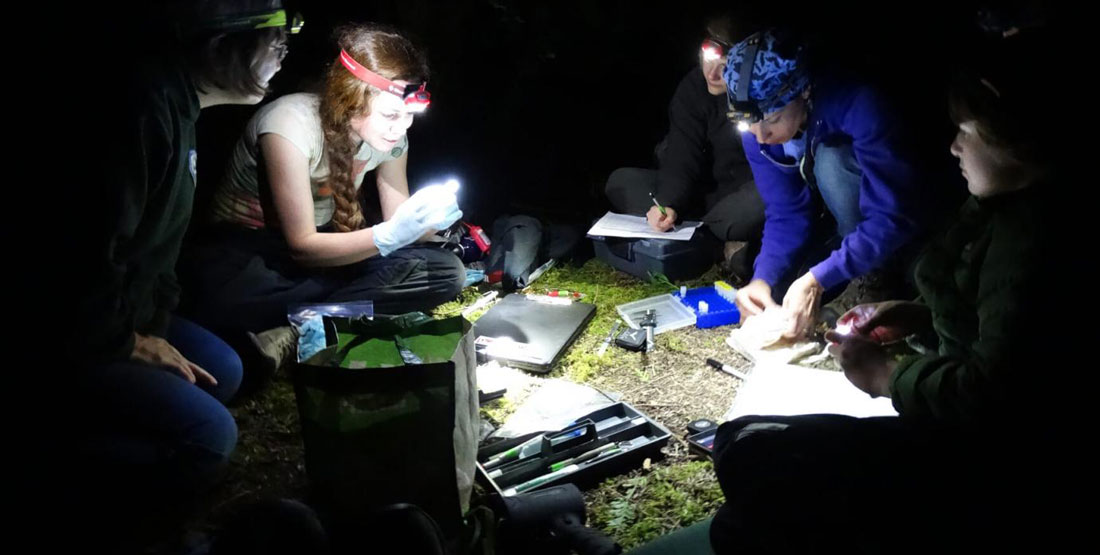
[{"x": 431, "y": 208}]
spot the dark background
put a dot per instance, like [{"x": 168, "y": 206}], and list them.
[{"x": 535, "y": 103}]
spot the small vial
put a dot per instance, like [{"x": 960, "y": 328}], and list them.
[
  {"x": 703, "y": 307},
  {"x": 725, "y": 290},
  {"x": 683, "y": 291}
]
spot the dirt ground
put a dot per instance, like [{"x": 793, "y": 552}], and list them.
[{"x": 672, "y": 385}]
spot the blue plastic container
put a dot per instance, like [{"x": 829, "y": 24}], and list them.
[{"x": 720, "y": 311}]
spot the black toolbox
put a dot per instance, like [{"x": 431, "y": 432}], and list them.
[
  {"x": 607, "y": 442},
  {"x": 679, "y": 260}
]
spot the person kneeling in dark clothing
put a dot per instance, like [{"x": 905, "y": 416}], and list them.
[
  {"x": 702, "y": 171},
  {"x": 140, "y": 391}
]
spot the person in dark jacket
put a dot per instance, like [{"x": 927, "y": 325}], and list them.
[
  {"x": 974, "y": 281},
  {"x": 702, "y": 172},
  {"x": 147, "y": 387},
  {"x": 843, "y": 137}
]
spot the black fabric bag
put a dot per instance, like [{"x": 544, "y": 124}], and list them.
[{"x": 389, "y": 416}]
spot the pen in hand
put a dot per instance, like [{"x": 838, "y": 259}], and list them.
[{"x": 662, "y": 209}]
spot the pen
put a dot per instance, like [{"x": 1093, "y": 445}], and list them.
[
  {"x": 586, "y": 456},
  {"x": 520, "y": 451},
  {"x": 539, "y": 271},
  {"x": 727, "y": 369},
  {"x": 536, "y": 482},
  {"x": 662, "y": 209},
  {"x": 480, "y": 302}
]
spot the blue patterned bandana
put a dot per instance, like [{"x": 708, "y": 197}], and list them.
[{"x": 775, "y": 80}]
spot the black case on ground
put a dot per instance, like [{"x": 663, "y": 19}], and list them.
[
  {"x": 646, "y": 437},
  {"x": 679, "y": 260}
]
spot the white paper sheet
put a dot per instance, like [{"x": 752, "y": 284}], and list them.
[
  {"x": 787, "y": 390},
  {"x": 624, "y": 225}
]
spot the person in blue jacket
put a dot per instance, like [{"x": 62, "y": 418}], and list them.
[{"x": 841, "y": 136}]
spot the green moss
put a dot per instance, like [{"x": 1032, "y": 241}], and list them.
[
  {"x": 464, "y": 299},
  {"x": 674, "y": 343},
  {"x": 498, "y": 410},
  {"x": 646, "y": 505}
]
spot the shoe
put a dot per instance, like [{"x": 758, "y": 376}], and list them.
[
  {"x": 736, "y": 266},
  {"x": 874, "y": 287},
  {"x": 276, "y": 346}
]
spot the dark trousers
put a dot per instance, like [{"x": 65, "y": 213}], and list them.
[
  {"x": 240, "y": 280},
  {"x": 126, "y": 448},
  {"x": 836, "y": 484},
  {"x": 731, "y": 211}
]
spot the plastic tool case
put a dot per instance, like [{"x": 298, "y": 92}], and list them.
[
  {"x": 610, "y": 441},
  {"x": 678, "y": 260}
]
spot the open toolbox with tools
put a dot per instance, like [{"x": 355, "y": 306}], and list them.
[{"x": 609, "y": 441}]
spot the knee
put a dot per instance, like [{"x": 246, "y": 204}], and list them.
[
  {"x": 834, "y": 165},
  {"x": 623, "y": 180},
  {"x": 229, "y": 371},
  {"x": 617, "y": 181},
  {"x": 214, "y": 438}
]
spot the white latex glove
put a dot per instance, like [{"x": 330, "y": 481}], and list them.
[{"x": 431, "y": 208}]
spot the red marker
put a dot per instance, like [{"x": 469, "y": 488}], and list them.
[{"x": 564, "y": 293}]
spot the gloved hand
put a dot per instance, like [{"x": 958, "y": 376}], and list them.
[{"x": 434, "y": 207}]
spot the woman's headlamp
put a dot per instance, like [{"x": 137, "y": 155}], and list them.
[
  {"x": 715, "y": 49},
  {"x": 742, "y": 113},
  {"x": 416, "y": 95}
]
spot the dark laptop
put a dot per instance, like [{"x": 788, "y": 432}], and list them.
[{"x": 528, "y": 334}]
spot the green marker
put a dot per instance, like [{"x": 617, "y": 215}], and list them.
[
  {"x": 596, "y": 453},
  {"x": 536, "y": 482},
  {"x": 520, "y": 451},
  {"x": 662, "y": 209}
]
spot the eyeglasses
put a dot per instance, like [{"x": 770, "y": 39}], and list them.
[{"x": 280, "y": 49}]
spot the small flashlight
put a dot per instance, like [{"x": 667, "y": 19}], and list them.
[{"x": 844, "y": 329}]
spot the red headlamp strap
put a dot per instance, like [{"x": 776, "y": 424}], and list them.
[{"x": 369, "y": 76}]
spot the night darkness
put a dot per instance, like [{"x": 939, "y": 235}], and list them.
[{"x": 535, "y": 103}]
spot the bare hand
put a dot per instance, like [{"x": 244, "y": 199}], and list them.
[
  {"x": 155, "y": 350},
  {"x": 661, "y": 222},
  {"x": 866, "y": 363},
  {"x": 802, "y": 301},
  {"x": 886, "y": 322},
  {"x": 754, "y": 298}
]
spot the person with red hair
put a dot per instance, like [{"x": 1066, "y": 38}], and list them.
[{"x": 293, "y": 222}]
